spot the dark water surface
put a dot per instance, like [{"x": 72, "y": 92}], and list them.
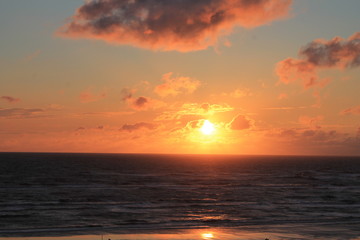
[{"x": 58, "y": 194}]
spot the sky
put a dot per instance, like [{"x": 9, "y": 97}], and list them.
[{"x": 170, "y": 76}]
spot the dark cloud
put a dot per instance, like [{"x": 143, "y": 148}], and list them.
[
  {"x": 137, "y": 126},
  {"x": 303, "y": 136},
  {"x": 317, "y": 141},
  {"x": 182, "y": 25},
  {"x": 142, "y": 103},
  {"x": 337, "y": 53},
  {"x": 20, "y": 112},
  {"x": 10, "y": 99},
  {"x": 139, "y": 103},
  {"x": 127, "y": 94}
]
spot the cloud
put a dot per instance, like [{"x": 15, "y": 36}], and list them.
[
  {"x": 351, "y": 111},
  {"x": 237, "y": 93},
  {"x": 55, "y": 107},
  {"x": 176, "y": 85},
  {"x": 286, "y": 108},
  {"x": 194, "y": 124},
  {"x": 87, "y": 96},
  {"x": 240, "y": 122},
  {"x": 195, "y": 109},
  {"x": 337, "y": 53},
  {"x": 10, "y": 99},
  {"x": 140, "y": 103},
  {"x": 304, "y": 137},
  {"x": 32, "y": 56},
  {"x": 98, "y": 128},
  {"x": 166, "y": 25},
  {"x": 314, "y": 142},
  {"x": 283, "y": 96},
  {"x": 20, "y": 112},
  {"x": 312, "y": 122},
  {"x": 104, "y": 114},
  {"x": 137, "y": 126}
]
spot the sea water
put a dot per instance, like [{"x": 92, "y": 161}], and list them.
[{"x": 50, "y": 194}]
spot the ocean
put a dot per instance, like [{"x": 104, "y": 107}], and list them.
[{"x": 62, "y": 194}]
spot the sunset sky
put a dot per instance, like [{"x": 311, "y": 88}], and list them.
[{"x": 171, "y": 76}]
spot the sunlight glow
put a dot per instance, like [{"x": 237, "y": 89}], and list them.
[{"x": 208, "y": 128}]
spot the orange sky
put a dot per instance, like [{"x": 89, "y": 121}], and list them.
[{"x": 270, "y": 77}]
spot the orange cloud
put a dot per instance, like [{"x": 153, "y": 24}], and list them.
[
  {"x": 240, "y": 122},
  {"x": 337, "y": 53},
  {"x": 351, "y": 111},
  {"x": 283, "y": 96},
  {"x": 165, "y": 25},
  {"x": 176, "y": 85},
  {"x": 10, "y": 99}
]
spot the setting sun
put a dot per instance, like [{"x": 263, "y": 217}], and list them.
[
  {"x": 207, "y": 128},
  {"x": 207, "y": 235}
]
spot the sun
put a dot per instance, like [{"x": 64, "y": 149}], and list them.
[
  {"x": 207, "y": 128},
  {"x": 207, "y": 236}
]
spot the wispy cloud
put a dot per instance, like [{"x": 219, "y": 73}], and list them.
[
  {"x": 20, "y": 112},
  {"x": 195, "y": 109},
  {"x": 88, "y": 96},
  {"x": 337, "y": 53},
  {"x": 351, "y": 111},
  {"x": 137, "y": 126},
  {"x": 285, "y": 108},
  {"x": 311, "y": 122},
  {"x": 32, "y": 56},
  {"x": 283, "y": 96},
  {"x": 10, "y": 99},
  {"x": 238, "y": 93},
  {"x": 185, "y": 25}
]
